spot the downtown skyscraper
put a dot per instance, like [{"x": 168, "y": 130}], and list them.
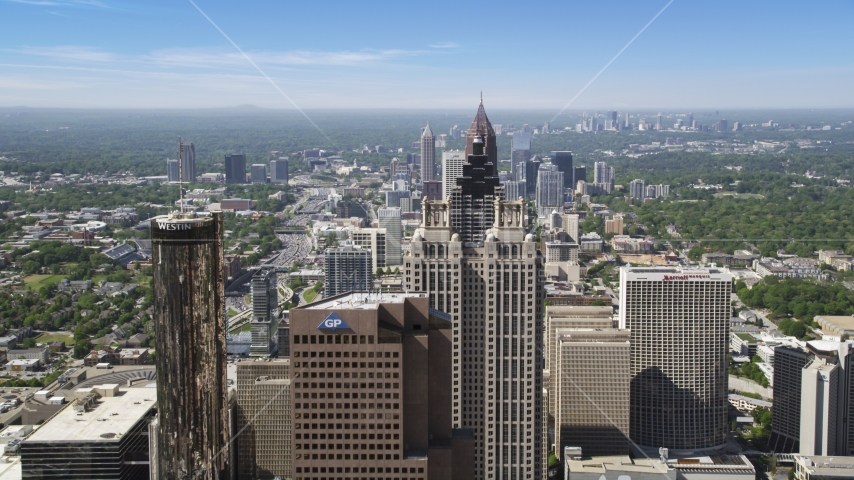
[
  {"x": 428, "y": 155},
  {"x": 679, "y": 320},
  {"x": 488, "y": 278},
  {"x": 189, "y": 318},
  {"x": 481, "y": 127}
]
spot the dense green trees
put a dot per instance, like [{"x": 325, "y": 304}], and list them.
[{"x": 802, "y": 299}]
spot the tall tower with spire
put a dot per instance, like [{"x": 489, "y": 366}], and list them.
[
  {"x": 428, "y": 155},
  {"x": 480, "y": 127},
  {"x": 476, "y": 261}
]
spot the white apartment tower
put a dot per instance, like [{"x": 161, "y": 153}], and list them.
[
  {"x": 389, "y": 219},
  {"x": 452, "y": 167},
  {"x": 603, "y": 174},
  {"x": 679, "y": 319},
  {"x": 374, "y": 240},
  {"x": 493, "y": 293}
]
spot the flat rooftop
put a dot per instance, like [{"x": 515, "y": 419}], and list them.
[
  {"x": 111, "y": 415},
  {"x": 830, "y": 467},
  {"x": 360, "y": 300},
  {"x": 841, "y": 322}
]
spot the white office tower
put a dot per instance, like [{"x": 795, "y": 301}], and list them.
[
  {"x": 493, "y": 294},
  {"x": 452, "y": 167},
  {"x": 549, "y": 189},
  {"x": 819, "y": 397},
  {"x": 679, "y": 319},
  {"x": 348, "y": 268},
  {"x": 827, "y": 385},
  {"x": 636, "y": 189},
  {"x": 389, "y": 219}
]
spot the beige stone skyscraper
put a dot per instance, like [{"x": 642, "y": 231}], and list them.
[
  {"x": 591, "y": 390},
  {"x": 263, "y": 418},
  {"x": 560, "y": 319},
  {"x": 493, "y": 292}
]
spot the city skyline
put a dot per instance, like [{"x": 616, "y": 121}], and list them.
[{"x": 119, "y": 52}]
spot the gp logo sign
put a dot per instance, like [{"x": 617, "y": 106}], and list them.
[{"x": 332, "y": 322}]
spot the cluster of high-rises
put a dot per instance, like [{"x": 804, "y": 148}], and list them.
[
  {"x": 638, "y": 190},
  {"x": 184, "y": 169},
  {"x": 462, "y": 376}
]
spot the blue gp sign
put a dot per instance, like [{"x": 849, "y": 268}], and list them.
[{"x": 332, "y": 322}]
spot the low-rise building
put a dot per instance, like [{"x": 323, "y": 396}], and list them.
[
  {"x": 743, "y": 344},
  {"x": 747, "y": 404},
  {"x": 23, "y": 365},
  {"x": 100, "y": 432},
  {"x": 627, "y": 244},
  {"x": 591, "y": 242},
  {"x": 814, "y": 467},
  {"x": 40, "y": 354},
  {"x": 715, "y": 467},
  {"x": 66, "y": 285},
  {"x": 133, "y": 356},
  {"x": 836, "y": 324}
]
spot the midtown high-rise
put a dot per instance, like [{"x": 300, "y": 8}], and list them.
[
  {"x": 563, "y": 160},
  {"x": 488, "y": 278},
  {"x": 279, "y": 170},
  {"x": 452, "y": 169},
  {"x": 520, "y": 150},
  {"x": 189, "y": 318},
  {"x": 348, "y": 268},
  {"x": 428, "y": 155},
  {"x": 481, "y": 127},
  {"x": 173, "y": 173},
  {"x": 531, "y": 171},
  {"x": 549, "y": 189},
  {"x": 235, "y": 169},
  {"x": 679, "y": 320},
  {"x": 388, "y": 219},
  {"x": 265, "y": 315},
  {"x": 187, "y": 152}
]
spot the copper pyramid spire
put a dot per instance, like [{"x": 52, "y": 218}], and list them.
[{"x": 480, "y": 125}]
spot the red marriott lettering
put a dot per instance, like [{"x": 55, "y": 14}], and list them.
[{"x": 686, "y": 277}]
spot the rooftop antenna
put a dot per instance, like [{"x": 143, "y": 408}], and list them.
[{"x": 181, "y": 172}]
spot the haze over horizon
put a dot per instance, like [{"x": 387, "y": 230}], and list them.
[{"x": 120, "y": 54}]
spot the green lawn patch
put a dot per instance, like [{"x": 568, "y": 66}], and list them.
[
  {"x": 309, "y": 295},
  {"x": 36, "y": 282},
  {"x": 56, "y": 337},
  {"x": 246, "y": 327},
  {"x": 746, "y": 337}
]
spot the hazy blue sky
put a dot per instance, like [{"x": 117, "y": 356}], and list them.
[{"x": 153, "y": 53}]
